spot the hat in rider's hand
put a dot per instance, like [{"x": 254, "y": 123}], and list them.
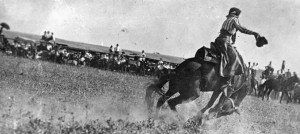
[{"x": 261, "y": 41}]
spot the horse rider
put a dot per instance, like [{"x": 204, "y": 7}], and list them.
[
  {"x": 288, "y": 74},
  {"x": 224, "y": 44},
  {"x": 254, "y": 69},
  {"x": 117, "y": 50},
  {"x": 295, "y": 75},
  {"x": 269, "y": 71}
]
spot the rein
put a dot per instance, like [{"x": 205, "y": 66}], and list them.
[{"x": 244, "y": 83}]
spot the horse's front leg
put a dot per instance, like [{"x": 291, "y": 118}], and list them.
[
  {"x": 161, "y": 101},
  {"x": 268, "y": 95},
  {"x": 283, "y": 93},
  {"x": 212, "y": 100}
]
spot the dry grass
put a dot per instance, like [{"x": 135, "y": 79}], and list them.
[{"x": 42, "y": 97}]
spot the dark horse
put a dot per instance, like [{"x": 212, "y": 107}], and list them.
[
  {"x": 194, "y": 76},
  {"x": 279, "y": 85}
]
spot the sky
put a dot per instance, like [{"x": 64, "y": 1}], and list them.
[{"x": 171, "y": 27}]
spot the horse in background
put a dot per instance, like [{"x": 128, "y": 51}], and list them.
[{"x": 279, "y": 85}]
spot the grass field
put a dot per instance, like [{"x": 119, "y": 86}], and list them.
[{"x": 43, "y": 97}]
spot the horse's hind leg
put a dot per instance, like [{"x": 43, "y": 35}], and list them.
[
  {"x": 268, "y": 95},
  {"x": 283, "y": 93},
  {"x": 256, "y": 88},
  {"x": 165, "y": 97},
  {"x": 180, "y": 99},
  {"x": 264, "y": 93}
]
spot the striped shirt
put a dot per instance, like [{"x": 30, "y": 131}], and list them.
[{"x": 231, "y": 24}]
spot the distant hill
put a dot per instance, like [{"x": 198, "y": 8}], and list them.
[{"x": 93, "y": 47}]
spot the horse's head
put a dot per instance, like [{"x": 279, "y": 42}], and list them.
[{"x": 228, "y": 108}]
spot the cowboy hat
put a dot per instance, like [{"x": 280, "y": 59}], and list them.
[{"x": 261, "y": 41}]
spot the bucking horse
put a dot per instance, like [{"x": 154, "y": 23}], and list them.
[{"x": 195, "y": 75}]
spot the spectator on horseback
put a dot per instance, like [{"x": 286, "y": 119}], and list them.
[
  {"x": 160, "y": 62},
  {"x": 122, "y": 55},
  {"x": 48, "y": 36},
  {"x": 295, "y": 75},
  {"x": 82, "y": 60},
  {"x": 52, "y": 38},
  {"x": 111, "y": 50},
  {"x": 88, "y": 55},
  {"x": 278, "y": 72},
  {"x": 249, "y": 68},
  {"x": 117, "y": 50},
  {"x": 288, "y": 74},
  {"x": 143, "y": 54},
  {"x": 268, "y": 73},
  {"x": 44, "y": 36},
  {"x": 224, "y": 44},
  {"x": 253, "y": 69}
]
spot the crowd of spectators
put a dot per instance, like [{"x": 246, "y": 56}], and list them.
[
  {"x": 115, "y": 59},
  {"x": 47, "y": 36},
  {"x": 268, "y": 72}
]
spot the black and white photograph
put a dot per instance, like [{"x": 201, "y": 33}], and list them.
[{"x": 149, "y": 67}]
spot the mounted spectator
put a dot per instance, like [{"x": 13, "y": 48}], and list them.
[
  {"x": 82, "y": 59},
  {"x": 269, "y": 70},
  {"x": 253, "y": 69},
  {"x": 88, "y": 55},
  {"x": 249, "y": 68},
  {"x": 117, "y": 49},
  {"x": 278, "y": 72},
  {"x": 142, "y": 58},
  {"x": 143, "y": 54},
  {"x": 111, "y": 50},
  {"x": 160, "y": 62},
  {"x": 288, "y": 74},
  {"x": 47, "y": 36},
  {"x": 122, "y": 55},
  {"x": 52, "y": 37},
  {"x": 295, "y": 75},
  {"x": 44, "y": 36}
]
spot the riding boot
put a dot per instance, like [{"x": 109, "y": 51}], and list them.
[{"x": 227, "y": 87}]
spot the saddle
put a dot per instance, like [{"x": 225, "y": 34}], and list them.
[{"x": 210, "y": 55}]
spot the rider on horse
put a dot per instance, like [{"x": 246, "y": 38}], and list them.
[
  {"x": 268, "y": 73},
  {"x": 229, "y": 55}
]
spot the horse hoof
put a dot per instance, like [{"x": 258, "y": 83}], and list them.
[{"x": 195, "y": 121}]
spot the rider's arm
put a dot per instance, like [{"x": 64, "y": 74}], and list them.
[{"x": 241, "y": 28}]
